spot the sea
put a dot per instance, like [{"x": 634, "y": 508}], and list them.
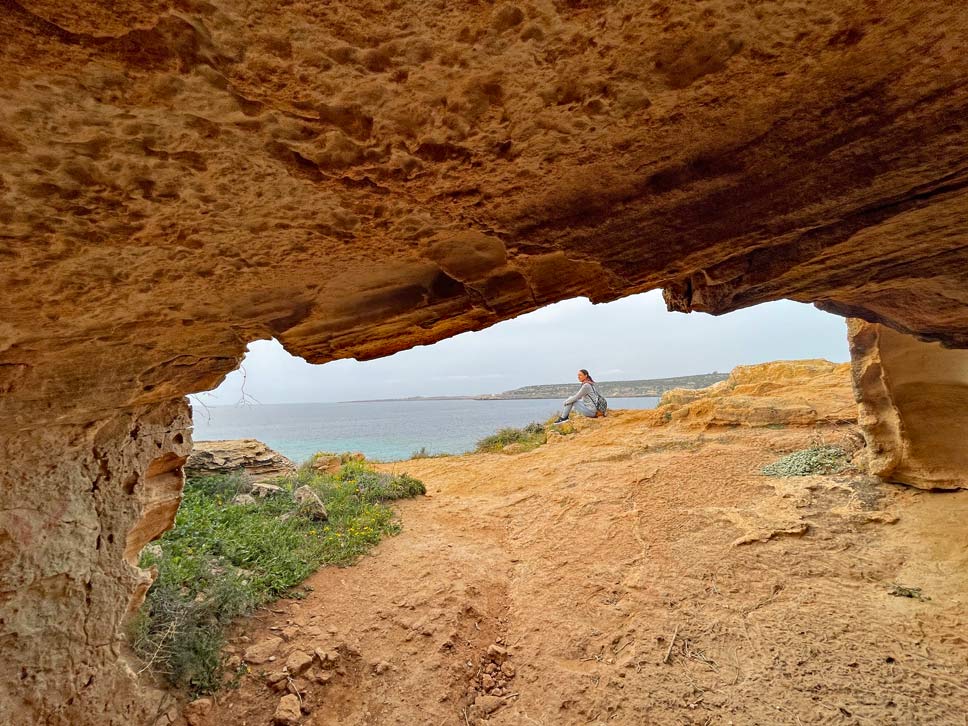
[{"x": 382, "y": 430}]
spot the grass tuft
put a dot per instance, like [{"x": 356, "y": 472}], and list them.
[
  {"x": 529, "y": 437},
  {"x": 223, "y": 559},
  {"x": 815, "y": 460},
  {"x": 424, "y": 453}
]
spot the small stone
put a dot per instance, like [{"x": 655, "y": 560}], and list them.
[
  {"x": 278, "y": 681},
  {"x": 198, "y": 711},
  {"x": 287, "y": 712},
  {"x": 264, "y": 491},
  {"x": 243, "y": 499},
  {"x": 490, "y": 669},
  {"x": 327, "y": 658},
  {"x": 487, "y": 682},
  {"x": 298, "y": 661},
  {"x": 323, "y": 677},
  {"x": 310, "y": 503},
  {"x": 488, "y": 704},
  {"x": 328, "y": 463},
  {"x": 381, "y": 667},
  {"x": 497, "y": 653},
  {"x": 262, "y": 651},
  {"x": 507, "y": 669}
]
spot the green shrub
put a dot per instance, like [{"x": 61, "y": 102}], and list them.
[
  {"x": 533, "y": 429},
  {"x": 424, "y": 453},
  {"x": 815, "y": 460},
  {"x": 222, "y": 560},
  {"x": 530, "y": 437},
  {"x": 379, "y": 487}
]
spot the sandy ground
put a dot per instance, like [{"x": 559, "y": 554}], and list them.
[{"x": 634, "y": 575}]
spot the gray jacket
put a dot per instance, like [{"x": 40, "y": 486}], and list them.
[{"x": 586, "y": 394}]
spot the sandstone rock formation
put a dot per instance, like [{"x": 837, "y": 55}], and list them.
[
  {"x": 71, "y": 528},
  {"x": 249, "y": 456},
  {"x": 328, "y": 463},
  {"x": 784, "y": 393},
  {"x": 178, "y": 179},
  {"x": 913, "y": 400}
]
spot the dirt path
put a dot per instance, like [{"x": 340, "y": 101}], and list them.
[{"x": 606, "y": 571}]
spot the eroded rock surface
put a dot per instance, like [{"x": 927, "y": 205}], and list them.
[
  {"x": 71, "y": 528},
  {"x": 178, "y": 179},
  {"x": 355, "y": 178},
  {"x": 249, "y": 456},
  {"x": 784, "y": 393},
  {"x": 913, "y": 399}
]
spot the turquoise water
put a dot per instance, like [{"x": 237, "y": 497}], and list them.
[{"x": 384, "y": 430}]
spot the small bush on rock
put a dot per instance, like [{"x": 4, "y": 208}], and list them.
[
  {"x": 815, "y": 460},
  {"x": 529, "y": 437}
]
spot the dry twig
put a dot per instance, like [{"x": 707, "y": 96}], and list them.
[{"x": 671, "y": 643}]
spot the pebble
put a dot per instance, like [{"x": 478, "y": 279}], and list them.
[
  {"x": 298, "y": 661},
  {"x": 507, "y": 669},
  {"x": 287, "y": 712},
  {"x": 488, "y": 704},
  {"x": 496, "y": 652},
  {"x": 262, "y": 651}
]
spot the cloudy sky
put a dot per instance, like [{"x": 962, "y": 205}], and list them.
[{"x": 627, "y": 339}]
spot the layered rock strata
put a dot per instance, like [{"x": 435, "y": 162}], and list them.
[
  {"x": 248, "y": 456},
  {"x": 353, "y": 178},
  {"x": 79, "y": 504},
  {"x": 783, "y": 393},
  {"x": 913, "y": 401}
]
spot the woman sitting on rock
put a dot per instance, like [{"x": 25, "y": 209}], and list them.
[{"x": 585, "y": 400}]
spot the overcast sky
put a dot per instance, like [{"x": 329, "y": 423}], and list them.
[{"x": 627, "y": 339}]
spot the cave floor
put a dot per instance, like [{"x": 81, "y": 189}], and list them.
[{"x": 635, "y": 575}]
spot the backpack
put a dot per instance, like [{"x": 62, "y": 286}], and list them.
[{"x": 601, "y": 405}]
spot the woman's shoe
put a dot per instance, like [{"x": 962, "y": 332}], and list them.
[{"x": 559, "y": 420}]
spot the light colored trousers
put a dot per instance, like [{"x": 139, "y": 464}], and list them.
[{"x": 583, "y": 408}]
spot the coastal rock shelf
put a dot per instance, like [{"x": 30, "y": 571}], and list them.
[
  {"x": 784, "y": 393},
  {"x": 356, "y": 178},
  {"x": 251, "y": 457}
]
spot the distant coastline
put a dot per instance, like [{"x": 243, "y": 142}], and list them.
[{"x": 644, "y": 388}]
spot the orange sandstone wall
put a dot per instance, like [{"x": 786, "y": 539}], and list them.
[
  {"x": 179, "y": 178},
  {"x": 913, "y": 401}
]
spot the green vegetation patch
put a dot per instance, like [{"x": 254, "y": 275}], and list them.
[
  {"x": 223, "y": 559},
  {"x": 527, "y": 438},
  {"x": 815, "y": 460},
  {"x": 424, "y": 453}
]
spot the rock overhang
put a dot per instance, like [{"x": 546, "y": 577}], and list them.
[{"x": 179, "y": 178}]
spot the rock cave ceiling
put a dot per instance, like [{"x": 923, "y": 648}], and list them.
[
  {"x": 181, "y": 177},
  {"x": 354, "y": 178}
]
